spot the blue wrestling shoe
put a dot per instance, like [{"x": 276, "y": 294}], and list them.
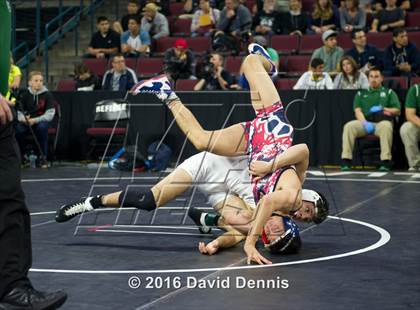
[
  {"x": 257, "y": 49},
  {"x": 160, "y": 86}
]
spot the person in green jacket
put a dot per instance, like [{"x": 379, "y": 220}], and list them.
[
  {"x": 410, "y": 130},
  {"x": 374, "y": 109}
]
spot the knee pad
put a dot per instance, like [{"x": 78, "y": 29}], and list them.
[{"x": 140, "y": 198}]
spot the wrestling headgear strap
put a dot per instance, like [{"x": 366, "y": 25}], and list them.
[
  {"x": 320, "y": 202},
  {"x": 288, "y": 243}
]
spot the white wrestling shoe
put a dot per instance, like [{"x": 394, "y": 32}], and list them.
[
  {"x": 67, "y": 212},
  {"x": 257, "y": 49},
  {"x": 160, "y": 86}
]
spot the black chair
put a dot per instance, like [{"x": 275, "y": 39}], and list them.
[{"x": 110, "y": 126}]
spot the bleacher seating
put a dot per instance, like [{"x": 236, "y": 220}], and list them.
[
  {"x": 233, "y": 64},
  {"x": 380, "y": 39},
  {"x": 297, "y": 64},
  {"x": 414, "y": 80},
  {"x": 185, "y": 85},
  {"x": 285, "y": 44},
  {"x": 148, "y": 67},
  {"x": 176, "y": 8},
  {"x": 402, "y": 81},
  {"x": 309, "y": 43},
  {"x": 344, "y": 41},
  {"x": 285, "y": 83},
  {"x": 181, "y": 27},
  {"x": 413, "y": 20},
  {"x": 66, "y": 85},
  {"x": 98, "y": 66}
]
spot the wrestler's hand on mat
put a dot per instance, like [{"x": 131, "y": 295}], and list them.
[
  {"x": 5, "y": 112},
  {"x": 260, "y": 168},
  {"x": 254, "y": 256},
  {"x": 209, "y": 249}
]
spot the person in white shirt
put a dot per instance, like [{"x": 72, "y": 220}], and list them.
[{"x": 315, "y": 78}]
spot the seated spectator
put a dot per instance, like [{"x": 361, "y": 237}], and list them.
[
  {"x": 315, "y": 78},
  {"x": 35, "y": 109},
  {"x": 330, "y": 53},
  {"x": 367, "y": 5},
  {"x": 404, "y": 5},
  {"x": 119, "y": 78},
  {"x": 390, "y": 18},
  {"x": 162, "y": 5},
  {"x": 350, "y": 77},
  {"x": 204, "y": 20},
  {"x": 410, "y": 130},
  {"x": 235, "y": 20},
  {"x": 352, "y": 17},
  {"x": 135, "y": 41},
  {"x": 374, "y": 109},
  {"x": 85, "y": 79},
  {"x": 179, "y": 61},
  {"x": 105, "y": 42},
  {"x": 365, "y": 55},
  {"x": 133, "y": 8},
  {"x": 324, "y": 17},
  {"x": 215, "y": 76},
  {"x": 154, "y": 22},
  {"x": 267, "y": 21},
  {"x": 294, "y": 22},
  {"x": 401, "y": 57}
]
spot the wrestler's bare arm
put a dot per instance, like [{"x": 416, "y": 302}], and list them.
[{"x": 297, "y": 155}]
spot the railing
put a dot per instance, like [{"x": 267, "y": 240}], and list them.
[{"x": 63, "y": 28}]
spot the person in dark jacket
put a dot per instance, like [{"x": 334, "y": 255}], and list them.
[
  {"x": 401, "y": 57},
  {"x": 85, "y": 79},
  {"x": 366, "y": 56},
  {"x": 267, "y": 21},
  {"x": 119, "y": 78},
  {"x": 36, "y": 109},
  {"x": 294, "y": 22},
  {"x": 179, "y": 61}
]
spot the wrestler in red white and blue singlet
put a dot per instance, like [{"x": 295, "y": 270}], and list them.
[{"x": 268, "y": 135}]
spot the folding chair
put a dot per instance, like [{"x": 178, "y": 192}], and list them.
[{"x": 110, "y": 125}]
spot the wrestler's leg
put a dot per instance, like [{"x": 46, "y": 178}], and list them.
[
  {"x": 263, "y": 92},
  {"x": 229, "y": 141}
]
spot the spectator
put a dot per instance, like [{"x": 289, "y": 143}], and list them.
[
  {"x": 154, "y": 22},
  {"x": 85, "y": 79},
  {"x": 35, "y": 109},
  {"x": 350, "y": 77},
  {"x": 374, "y": 109},
  {"x": 267, "y": 21},
  {"x": 401, "y": 57},
  {"x": 235, "y": 20},
  {"x": 162, "y": 5},
  {"x": 324, "y": 17},
  {"x": 179, "y": 61},
  {"x": 204, "y": 20},
  {"x": 330, "y": 53},
  {"x": 352, "y": 17},
  {"x": 365, "y": 55},
  {"x": 15, "y": 75},
  {"x": 215, "y": 76},
  {"x": 119, "y": 78},
  {"x": 105, "y": 42},
  {"x": 135, "y": 41},
  {"x": 315, "y": 78},
  {"x": 410, "y": 130},
  {"x": 389, "y": 18},
  {"x": 133, "y": 8},
  {"x": 294, "y": 22},
  {"x": 405, "y": 5}
]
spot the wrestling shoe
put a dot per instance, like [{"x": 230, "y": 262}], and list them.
[
  {"x": 199, "y": 217},
  {"x": 257, "y": 49},
  {"x": 160, "y": 86},
  {"x": 67, "y": 212}
]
